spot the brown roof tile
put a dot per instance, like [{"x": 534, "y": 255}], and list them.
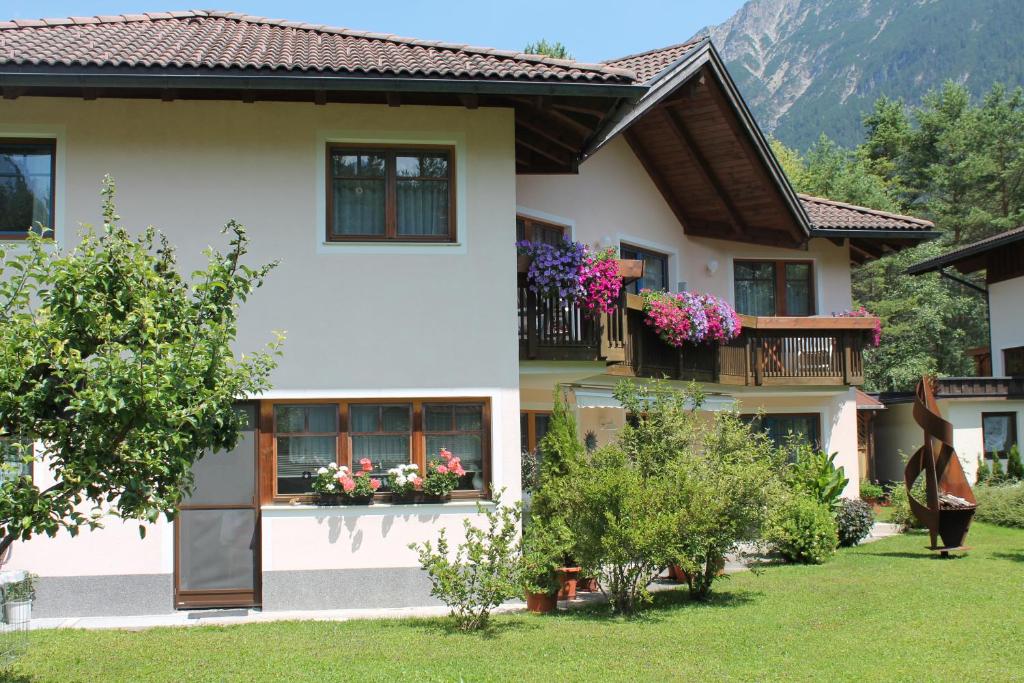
[
  {"x": 649, "y": 64},
  {"x": 827, "y": 214},
  {"x": 215, "y": 39}
]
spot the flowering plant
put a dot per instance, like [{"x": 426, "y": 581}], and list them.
[
  {"x": 602, "y": 285},
  {"x": 876, "y": 333},
  {"x": 404, "y": 479},
  {"x": 690, "y": 317},
  {"x": 555, "y": 269},
  {"x": 443, "y": 475},
  {"x": 335, "y": 480}
]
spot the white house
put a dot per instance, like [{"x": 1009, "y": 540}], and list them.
[
  {"x": 987, "y": 412},
  {"x": 391, "y": 177}
]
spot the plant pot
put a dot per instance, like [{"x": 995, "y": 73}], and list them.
[
  {"x": 567, "y": 577},
  {"x": 680, "y": 575},
  {"x": 357, "y": 500},
  {"x": 406, "y": 499},
  {"x": 18, "y": 612},
  {"x": 328, "y": 499},
  {"x": 541, "y": 603},
  {"x": 428, "y": 498},
  {"x": 587, "y": 585}
]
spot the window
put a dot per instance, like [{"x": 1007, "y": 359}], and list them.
[
  {"x": 655, "y": 268},
  {"x": 398, "y": 194},
  {"x": 13, "y": 453},
  {"x": 533, "y": 426},
  {"x": 538, "y": 231},
  {"x": 774, "y": 287},
  {"x": 779, "y": 426},
  {"x": 382, "y": 433},
  {"x": 459, "y": 427},
  {"x": 306, "y": 439},
  {"x": 27, "y": 171},
  {"x": 308, "y": 436},
  {"x": 999, "y": 433},
  {"x": 1013, "y": 362}
]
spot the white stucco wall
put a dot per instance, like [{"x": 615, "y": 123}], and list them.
[
  {"x": 613, "y": 200},
  {"x": 361, "y": 320},
  {"x": 896, "y": 431},
  {"x": 1006, "y": 313}
]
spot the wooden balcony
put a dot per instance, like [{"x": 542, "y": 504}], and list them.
[
  {"x": 771, "y": 351},
  {"x": 979, "y": 387},
  {"x": 553, "y": 329}
]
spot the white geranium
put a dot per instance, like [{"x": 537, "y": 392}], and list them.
[{"x": 322, "y": 470}]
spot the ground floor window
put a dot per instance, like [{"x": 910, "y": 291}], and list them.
[
  {"x": 781, "y": 426},
  {"x": 533, "y": 426},
  {"x": 999, "y": 433},
  {"x": 302, "y": 437}
]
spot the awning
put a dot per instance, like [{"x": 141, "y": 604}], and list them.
[{"x": 601, "y": 397}]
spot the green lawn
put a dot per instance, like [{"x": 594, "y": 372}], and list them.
[{"x": 885, "y": 611}]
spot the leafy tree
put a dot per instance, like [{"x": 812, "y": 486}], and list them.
[
  {"x": 122, "y": 369},
  {"x": 543, "y": 47},
  {"x": 561, "y": 449},
  {"x": 828, "y": 170}
]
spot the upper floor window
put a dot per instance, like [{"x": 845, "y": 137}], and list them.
[
  {"x": 655, "y": 268},
  {"x": 384, "y": 193},
  {"x": 27, "y": 171},
  {"x": 774, "y": 287},
  {"x": 538, "y": 231},
  {"x": 1013, "y": 362}
]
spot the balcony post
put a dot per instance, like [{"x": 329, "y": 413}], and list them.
[
  {"x": 758, "y": 358},
  {"x": 847, "y": 356},
  {"x": 531, "y": 324}
]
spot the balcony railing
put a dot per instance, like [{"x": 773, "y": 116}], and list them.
[
  {"x": 771, "y": 351},
  {"x": 551, "y": 328}
]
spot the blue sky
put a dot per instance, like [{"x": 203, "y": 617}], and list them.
[{"x": 595, "y": 30}]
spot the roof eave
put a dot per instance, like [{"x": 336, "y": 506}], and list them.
[
  {"x": 922, "y": 235},
  {"x": 35, "y": 76},
  {"x": 964, "y": 254}
]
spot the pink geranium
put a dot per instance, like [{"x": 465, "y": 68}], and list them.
[
  {"x": 348, "y": 484},
  {"x": 375, "y": 484},
  {"x": 445, "y": 454},
  {"x": 367, "y": 464},
  {"x": 442, "y": 469}
]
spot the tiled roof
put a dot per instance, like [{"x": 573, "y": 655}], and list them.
[
  {"x": 867, "y": 401},
  {"x": 214, "y": 39},
  {"x": 826, "y": 214},
  {"x": 968, "y": 250},
  {"x": 647, "y": 65}
]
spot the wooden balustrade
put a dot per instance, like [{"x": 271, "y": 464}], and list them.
[
  {"x": 551, "y": 328},
  {"x": 771, "y": 351}
]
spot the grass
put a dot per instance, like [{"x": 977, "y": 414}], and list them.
[{"x": 885, "y": 611}]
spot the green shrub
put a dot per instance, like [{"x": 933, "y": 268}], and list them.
[
  {"x": 561, "y": 449},
  {"x": 802, "y": 529},
  {"x": 544, "y": 546},
  {"x": 984, "y": 473},
  {"x": 901, "y": 515},
  {"x": 21, "y": 590},
  {"x": 814, "y": 473},
  {"x": 484, "y": 571},
  {"x": 1002, "y": 505},
  {"x": 1014, "y": 467},
  {"x": 871, "y": 491},
  {"x": 854, "y": 520}
]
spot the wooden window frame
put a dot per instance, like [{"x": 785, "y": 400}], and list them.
[
  {"x": 268, "y": 443},
  {"x": 390, "y": 152},
  {"x": 531, "y": 427},
  {"x": 6, "y": 233},
  {"x": 530, "y": 223},
  {"x": 1012, "y": 415},
  {"x": 32, "y": 465},
  {"x": 780, "y": 283},
  {"x": 644, "y": 251},
  {"x": 1006, "y": 360},
  {"x": 817, "y": 418}
]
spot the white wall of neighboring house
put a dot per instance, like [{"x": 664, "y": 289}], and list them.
[
  {"x": 362, "y": 321},
  {"x": 1006, "y": 313}
]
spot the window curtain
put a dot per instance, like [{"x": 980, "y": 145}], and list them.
[
  {"x": 359, "y": 207},
  {"x": 422, "y": 207},
  {"x": 996, "y": 430},
  {"x": 798, "y": 289},
  {"x": 755, "y": 288}
]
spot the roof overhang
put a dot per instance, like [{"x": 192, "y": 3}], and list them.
[
  {"x": 1003, "y": 253},
  {"x": 729, "y": 188}
]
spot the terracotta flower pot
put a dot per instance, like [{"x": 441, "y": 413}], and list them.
[
  {"x": 587, "y": 585},
  {"x": 680, "y": 575},
  {"x": 541, "y": 603},
  {"x": 567, "y": 577}
]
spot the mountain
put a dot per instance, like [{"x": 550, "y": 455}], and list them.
[{"x": 811, "y": 66}]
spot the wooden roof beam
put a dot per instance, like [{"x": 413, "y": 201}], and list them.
[
  {"x": 678, "y": 127},
  {"x": 538, "y": 146},
  {"x": 659, "y": 181},
  {"x": 548, "y": 135}
]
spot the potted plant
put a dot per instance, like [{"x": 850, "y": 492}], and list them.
[
  {"x": 680, "y": 575},
  {"x": 334, "y": 485},
  {"x": 567, "y": 579},
  {"x": 442, "y": 476},
  {"x": 18, "y": 597},
  {"x": 544, "y": 544},
  {"x": 404, "y": 483}
]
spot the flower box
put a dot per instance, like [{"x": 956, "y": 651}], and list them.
[{"x": 441, "y": 498}]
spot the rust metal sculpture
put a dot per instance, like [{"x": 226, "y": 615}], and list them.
[{"x": 949, "y": 502}]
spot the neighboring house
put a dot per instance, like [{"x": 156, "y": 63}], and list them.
[
  {"x": 987, "y": 411},
  {"x": 390, "y": 177}
]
